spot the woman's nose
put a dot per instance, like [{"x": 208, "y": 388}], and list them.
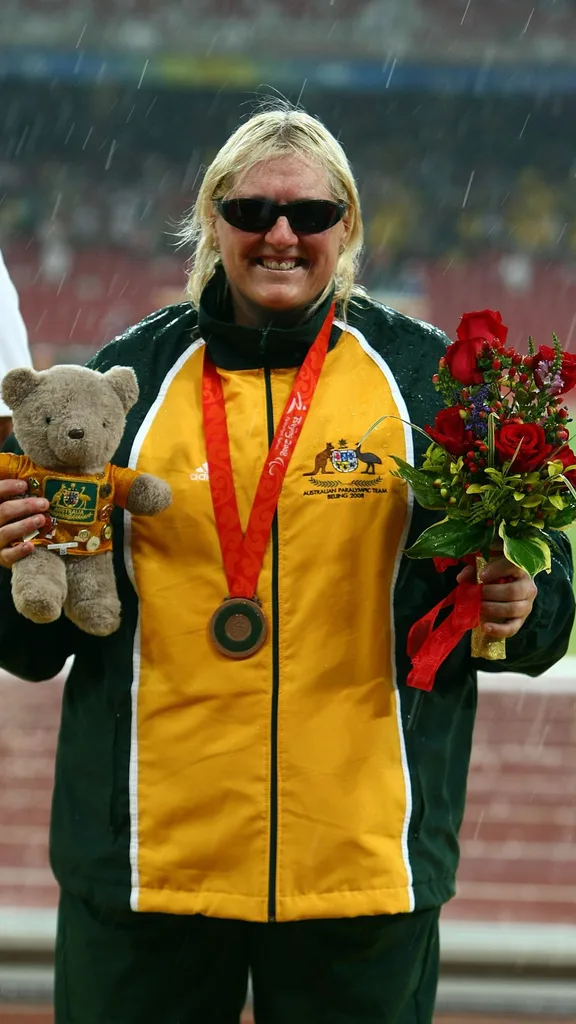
[{"x": 281, "y": 233}]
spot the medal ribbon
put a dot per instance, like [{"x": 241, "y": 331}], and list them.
[{"x": 243, "y": 554}]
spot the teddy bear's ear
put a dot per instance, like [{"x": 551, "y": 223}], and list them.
[
  {"x": 123, "y": 380},
  {"x": 18, "y": 384}
]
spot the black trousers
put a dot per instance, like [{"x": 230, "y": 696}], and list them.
[{"x": 125, "y": 968}]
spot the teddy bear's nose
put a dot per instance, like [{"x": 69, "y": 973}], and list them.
[{"x": 76, "y": 434}]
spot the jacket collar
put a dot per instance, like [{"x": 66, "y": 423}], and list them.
[{"x": 233, "y": 347}]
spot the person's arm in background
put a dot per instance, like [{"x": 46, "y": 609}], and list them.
[
  {"x": 14, "y": 349},
  {"x": 27, "y": 650}
]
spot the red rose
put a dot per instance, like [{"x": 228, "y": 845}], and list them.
[
  {"x": 567, "y": 457},
  {"x": 567, "y": 370},
  {"x": 461, "y": 359},
  {"x": 485, "y": 323},
  {"x": 533, "y": 451},
  {"x": 449, "y": 431},
  {"x": 473, "y": 330}
]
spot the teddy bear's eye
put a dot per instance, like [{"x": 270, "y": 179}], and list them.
[
  {"x": 48, "y": 419},
  {"x": 104, "y": 424}
]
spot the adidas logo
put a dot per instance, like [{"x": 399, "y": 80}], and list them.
[{"x": 201, "y": 473}]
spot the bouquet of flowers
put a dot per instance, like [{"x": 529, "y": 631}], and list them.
[{"x": 499, "y": 465}]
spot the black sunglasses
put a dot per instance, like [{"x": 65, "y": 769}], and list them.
[{"x": 305, "y": 216}]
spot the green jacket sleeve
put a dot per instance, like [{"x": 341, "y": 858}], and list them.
[
  {"x": 29, "y": 650},
  {"x": 544, "y": 637}
]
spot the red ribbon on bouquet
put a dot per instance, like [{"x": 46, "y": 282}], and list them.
[{"x": 428, "y": 647}]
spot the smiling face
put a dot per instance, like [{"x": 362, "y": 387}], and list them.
[{"x": 278, "y": 271}]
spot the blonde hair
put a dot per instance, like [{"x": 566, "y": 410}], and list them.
[{"x": 270, "y": 133}]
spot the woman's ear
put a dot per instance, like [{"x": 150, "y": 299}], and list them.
[
  {"x": 346, "y": 230},
  {"x": 214, "y": 234}
]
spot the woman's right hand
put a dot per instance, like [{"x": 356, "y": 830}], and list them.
[{"x": 20, "y": 515}]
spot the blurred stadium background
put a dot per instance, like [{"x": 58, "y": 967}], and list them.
[{"x": 460, "y": 119}]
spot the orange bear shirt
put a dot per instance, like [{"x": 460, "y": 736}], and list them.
[{"x": 78, "y": 520}]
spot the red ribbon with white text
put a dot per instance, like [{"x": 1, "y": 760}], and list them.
[
  {"x": 429, "y": 647},
  {"x": 243, "y": 554}
]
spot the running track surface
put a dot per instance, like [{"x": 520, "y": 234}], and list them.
[{"x": 37, "y": 1016}]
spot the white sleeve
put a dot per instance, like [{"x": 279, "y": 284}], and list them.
[{"x": 14, "y": 349}]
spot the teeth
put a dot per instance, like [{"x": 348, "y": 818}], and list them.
[{"x": 279, "y": 264}]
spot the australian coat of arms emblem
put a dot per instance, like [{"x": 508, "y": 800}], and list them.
[
  {"x": 71, "y": 501},
  {"x": 344, "y": 459}
]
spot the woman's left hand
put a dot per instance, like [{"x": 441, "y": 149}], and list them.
[{"x": 505, "y": 605}]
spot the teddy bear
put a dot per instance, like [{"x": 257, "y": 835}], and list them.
[{"x": 68, "y": 421}]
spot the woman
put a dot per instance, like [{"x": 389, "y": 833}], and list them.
[{"x": 236, "y": 787}]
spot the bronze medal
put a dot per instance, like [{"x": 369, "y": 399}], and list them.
[{"x": 238, "y": 627}]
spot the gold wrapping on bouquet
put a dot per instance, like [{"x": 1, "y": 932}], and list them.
[{"x": 484, "y": 646}]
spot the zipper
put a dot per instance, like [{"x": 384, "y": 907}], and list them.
[
  {"x": 412, "y": 744},
  {"x": 272, "y": 867},
  {"x": 117, "y": 814}
]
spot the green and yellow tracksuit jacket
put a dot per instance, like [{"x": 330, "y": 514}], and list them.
[{"x": 286, "y": 786}]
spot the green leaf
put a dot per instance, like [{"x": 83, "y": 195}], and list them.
[
  {"x": 532, "y": 500},
  {"x": 557, "y": 501},
  {"x": 437, "y": 456},
  {"x": 452, "y": 538},
  {"x": 555, "y": 468},
  {"x": 421, "y": 483},
  {"x": 480, "y": 488},
  {"x": 530, "y": 552},
  {"x": 564, "y": 518},
  {"x": 519, "y": 495}
]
